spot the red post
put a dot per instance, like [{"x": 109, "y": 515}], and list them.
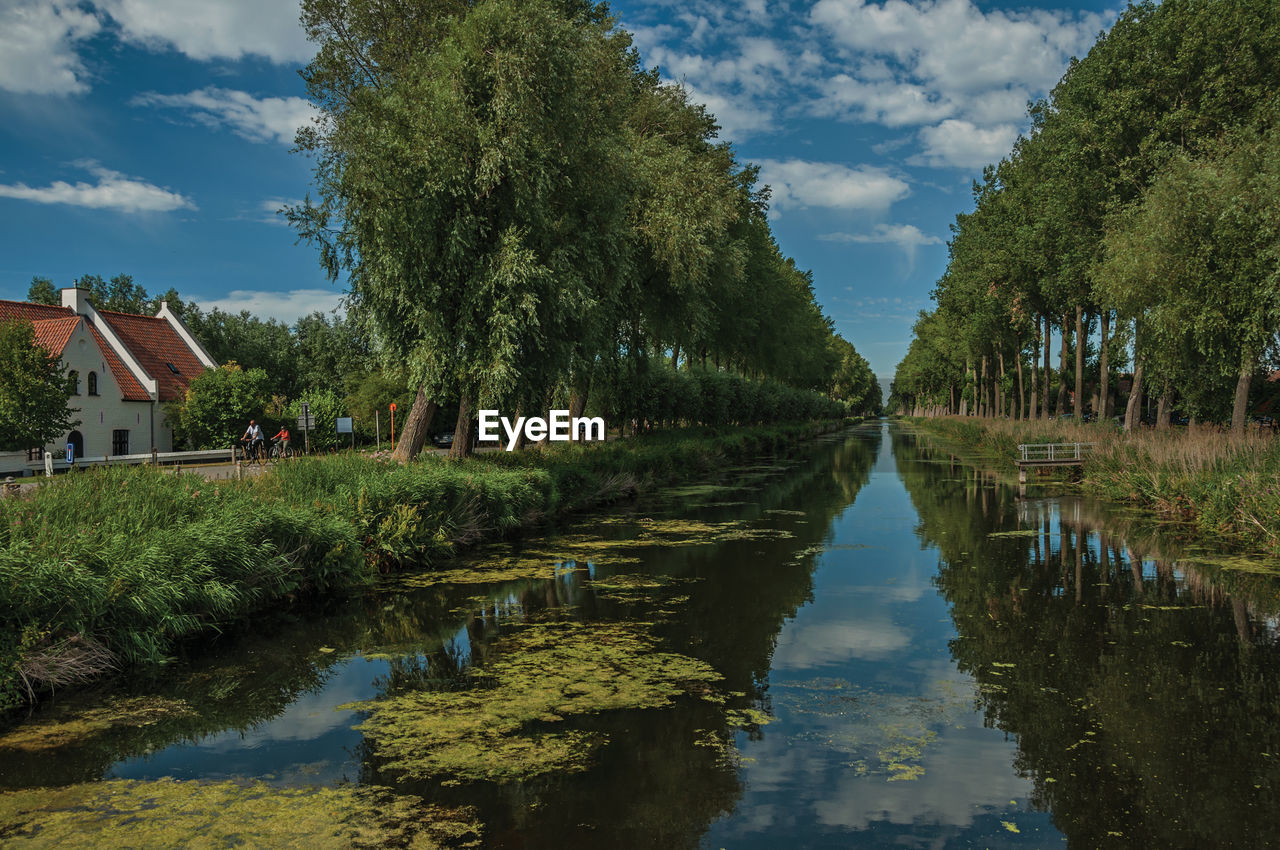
[{"x": 393, "y": 426}]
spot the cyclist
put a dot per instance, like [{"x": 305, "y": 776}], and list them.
[
  {"x": 253, "y": 436},
  {"x": 283, "y": 437}
]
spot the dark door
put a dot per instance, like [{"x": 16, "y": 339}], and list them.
[{"x": 76, "y": 440}]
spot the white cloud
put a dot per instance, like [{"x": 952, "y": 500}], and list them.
[
  {"x": 966, "y": 72},
  {"x": 203, "y": 30},
  {"x": 737, "y": 116},
  {"x": 269, "y": 210},
  {"x": 800, "y": 183},
  {"x": 956, "y": 45},
  {"x": 906, "y": 236},
  {"x": 288, "y": 306},
  {"x": 113, "y": 190},
  {"x": 962, "y": 144},
  {"x": 37, "y": 46},
  {"x": 267, "y": 119},
  {"x": 887, "y": 102}
]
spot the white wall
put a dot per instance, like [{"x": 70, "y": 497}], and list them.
[{"x": 102, "y": 414}]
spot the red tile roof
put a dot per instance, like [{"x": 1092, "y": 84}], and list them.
[
  {"x": 53, "y": 334},
  {"x": 155, "y": 344},
  {"x": 27, "y": 312},
  {"x": 152, "y": 341},
  {"x": 130, "y": 389}
]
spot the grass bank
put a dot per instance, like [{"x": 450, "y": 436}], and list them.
[
  {"x": 1222, "y": 484},
  {"x": 115, "y": 566}
]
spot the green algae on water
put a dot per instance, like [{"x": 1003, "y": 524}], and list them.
[
  {"x": 174, "y": 813},
  {"x": 72, "y": 727},
  {"x": 540, "y": 676}
]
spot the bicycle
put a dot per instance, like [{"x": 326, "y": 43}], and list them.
[
  {"x": 252, "y": 450},
  {"x": 280, "y": 451}
]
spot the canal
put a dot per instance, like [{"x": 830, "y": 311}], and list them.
[{"x": 868, "y": 643}]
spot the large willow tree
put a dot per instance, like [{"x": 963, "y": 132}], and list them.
[{"x": 521, "y": 209}]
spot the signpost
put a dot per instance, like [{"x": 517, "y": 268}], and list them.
[
  {"x": 346, "y": 425},
  {"x": 306, "y": 422},
  {"x": 393, "y": 426}
]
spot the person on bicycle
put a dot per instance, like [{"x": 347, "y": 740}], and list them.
[
  {"x": 253, "y": 436},
  {"x": 283, "y": 437}
]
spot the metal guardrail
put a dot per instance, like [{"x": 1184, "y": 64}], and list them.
[
  {"x": 228, "y": 455},
  {"x": 1054, "y": 452}
]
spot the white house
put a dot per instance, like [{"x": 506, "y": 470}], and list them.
[{"x": 125, "y": 366}]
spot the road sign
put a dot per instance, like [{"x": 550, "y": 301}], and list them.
[{"x": 344, "y": 425}]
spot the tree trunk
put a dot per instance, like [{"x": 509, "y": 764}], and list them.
[
  {"x": 1061, "y": 403},
  {"x": 1078, "y": 409},
  {"x": 520, "y": 438},
  {"x": 1022, "y": 389},
  {"x": 1241, "y": 407},
  {"x": 1162, "y": 410},
  {"x": 462, "y": 430},
  {"x": 578, "y": 396},
  {"x": 1048, "y": 357},
  {"x": 1000, "y": 385},
  {"x": 414, "y": 434},
  {"x": 1035, "y": 371},
  {"x": 675, "y": 357},
  {"x": 984, "y": 409},
  {"x": 1134, "y": 407},
  {"x": 964, "y": 396},
  {"x": 1104, "y": 369}
]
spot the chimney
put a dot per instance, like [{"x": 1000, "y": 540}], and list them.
[{"x": 77, "y": 299}]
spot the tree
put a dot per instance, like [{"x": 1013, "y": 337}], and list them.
[
  {"x": 42, "y": 292},
  {"x": 477, "y": 180},
  {"x": 1206, "y": 225},
  {"x": 34, "y": 390},
  {"x": 218, "y": 406}
]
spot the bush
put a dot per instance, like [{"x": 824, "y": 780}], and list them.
[{"x": 116, "y": 565}]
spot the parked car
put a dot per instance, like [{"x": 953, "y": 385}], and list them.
[{"x": 443, "y": 440}]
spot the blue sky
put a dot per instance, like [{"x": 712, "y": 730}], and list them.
[{"x": 152, "y": 137}]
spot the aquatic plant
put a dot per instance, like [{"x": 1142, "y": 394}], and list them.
[
  {"x": 114, "y": 567},
  {"x": 173, "y": 813},
  {"x": 509, "y": 726}
]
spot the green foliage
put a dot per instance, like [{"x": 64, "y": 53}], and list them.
[
  {"x": 34, "y": 390},
  {"x": 325, "y": 406},
  {"x": 42, "y": 292},
  {"x": 1145, "y": 188},
  {"x": 660, "y": 396},
  {"x": 522, "y": 211},
  {"x": 135, "y": 559},
  {"x": 218, "y": 406}
]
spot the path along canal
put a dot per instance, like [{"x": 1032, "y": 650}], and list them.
[{"x": 867, "y": 644}]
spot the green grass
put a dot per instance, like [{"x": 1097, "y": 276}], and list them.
[
  {"x": 1224, "y": 485},
  {"x": 115, "y": 566}
]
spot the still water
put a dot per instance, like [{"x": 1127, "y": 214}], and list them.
[{"x": 868, "y": 643}]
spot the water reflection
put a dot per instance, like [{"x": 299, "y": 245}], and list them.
[{"x": 1140, "y": 683}]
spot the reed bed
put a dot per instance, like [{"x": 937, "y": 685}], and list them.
[
  {"x": 1224, "y": 484},
  {"x": 114, "y": 567}
]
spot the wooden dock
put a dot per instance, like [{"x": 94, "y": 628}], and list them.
[{"x": 1050, "y": 454}]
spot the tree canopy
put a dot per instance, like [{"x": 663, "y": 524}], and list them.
[{"x": 1143, "y": 199}]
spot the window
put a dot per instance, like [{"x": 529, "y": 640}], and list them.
[
  {"x": 120, "y": 442},
  {"x": 35, "y": 454},
  {"x": 74, "y": 378},
  {"x": 93, "y": 383},
  {"x": 173, "y": 369}
]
